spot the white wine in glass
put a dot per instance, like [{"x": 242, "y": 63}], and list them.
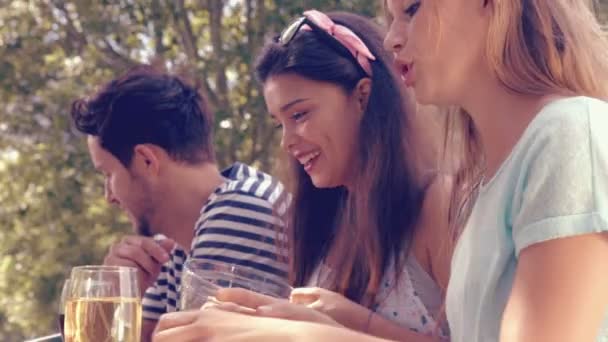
[{"x": 104, "y": 305}]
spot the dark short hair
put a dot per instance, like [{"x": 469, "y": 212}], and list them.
[{"x": 147, "y": 106}]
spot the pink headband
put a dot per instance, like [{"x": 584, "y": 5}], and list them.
[{"x": 345, "y": 36}]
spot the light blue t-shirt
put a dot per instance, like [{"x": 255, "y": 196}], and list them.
[{"x": 553, "y": 185}]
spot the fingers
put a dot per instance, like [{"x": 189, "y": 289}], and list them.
[
  {"x": 245, "y": 298},
  {"x": 210, "y": 325},
  {"x": 158, "y": 250},
  {"x": 112, "y": 260},
  {"x": 305, "y": 295},
  {"x": 141, "y": 252},
  {"x": 133, "y": 254},
  {"x": 309, "y": 291},
  {"x": 167, "y": 245},
  {"x": 295, "y": 312},
  {"x": 230, "y": 307},
  {"x": 213, "y": 303},
  {"x": 178, "y": 326},
  {"x": 281, "y": 310},
  {"x": 186, "y": 333},
  {"x": 176, "y": 319}
]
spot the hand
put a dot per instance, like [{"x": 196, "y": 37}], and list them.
[
  {"x": 353, "y": 315},
  {"x": 222, "y": 326},
  {"x": 334, "y": 305},
  {"x": 248, "y": 302},
  {"x": 213, "y": 303},
  {"x": 244, "y": 298},
  {"x": 251, "y": 303},
  {"x": 217, "y": 325},
  {"x": 143, "y": 253},
  {"x": 295, "y": 312}
]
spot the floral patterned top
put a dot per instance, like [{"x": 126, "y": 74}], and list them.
[{"x": 414, "y": 301}]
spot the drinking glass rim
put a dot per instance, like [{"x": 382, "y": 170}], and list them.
[
  {"x": 103, "y": 269},
  {"x": 239, "y": 272},
  {"x": 233, "y": 276}
]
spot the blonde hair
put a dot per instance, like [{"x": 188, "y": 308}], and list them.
[
  {"x": 534, "y": 47},
  {"x": 540, "y": 47}
]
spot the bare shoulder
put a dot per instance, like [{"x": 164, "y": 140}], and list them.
[{"x": 432, "y": 244}]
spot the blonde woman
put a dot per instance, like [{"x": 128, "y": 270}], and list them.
[{"x": 528, "y": 78}]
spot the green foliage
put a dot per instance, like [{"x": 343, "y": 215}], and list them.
[
  {"x": 52, "y": 214},
  {"x": 52, "y": 211}
]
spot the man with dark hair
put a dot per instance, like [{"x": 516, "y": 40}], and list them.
[{"x": 150, "y": 135}]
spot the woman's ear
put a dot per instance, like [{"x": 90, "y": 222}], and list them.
[{"x": 362, "y": 93}]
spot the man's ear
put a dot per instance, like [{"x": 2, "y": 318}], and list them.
[{"x": 146, "y": 160}]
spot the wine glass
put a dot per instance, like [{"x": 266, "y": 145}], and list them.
[
  {"x": 62, "y": 302},
  {"x": 103, "y": 305},
  {"x": 201, "y": 279}
]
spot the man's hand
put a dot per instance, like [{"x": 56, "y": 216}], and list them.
[{"x": 143, "y": 253}]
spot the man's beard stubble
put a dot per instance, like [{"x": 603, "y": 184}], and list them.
[{"x": 142, "y": 223}]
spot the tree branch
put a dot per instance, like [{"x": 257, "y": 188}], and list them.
[
  {"x": 183, "y": 26},
  {"x": 114, "y": 56},
  {"x": 263, "y": 146},
  {"x": 249, "y": 28},
  {"x": 158, "y": 27},
  {"x": 210, "y": 93},
  {"x": 75, "y": 40},
  {"x": 108, "y": 54},
  {"x": 216, "y": 8},
  {"x": 262, "y": 17}
]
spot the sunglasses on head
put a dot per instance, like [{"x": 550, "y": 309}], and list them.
[{"x": 297, "y": 25}]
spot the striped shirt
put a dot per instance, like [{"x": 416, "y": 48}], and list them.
[{"x": 238, "y": 224}]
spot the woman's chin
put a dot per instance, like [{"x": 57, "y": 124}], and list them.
[{"x": 323, "y": 183}]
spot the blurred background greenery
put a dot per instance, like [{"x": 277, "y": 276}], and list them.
[{"x": 52, "y": 212}]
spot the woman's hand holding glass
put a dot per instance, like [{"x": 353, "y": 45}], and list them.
[
  {"x": 242, "y": 315},
  {"x": 315, "y": 305}
]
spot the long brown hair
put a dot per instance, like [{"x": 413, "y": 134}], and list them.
[{"x": 368, "y": 228}]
